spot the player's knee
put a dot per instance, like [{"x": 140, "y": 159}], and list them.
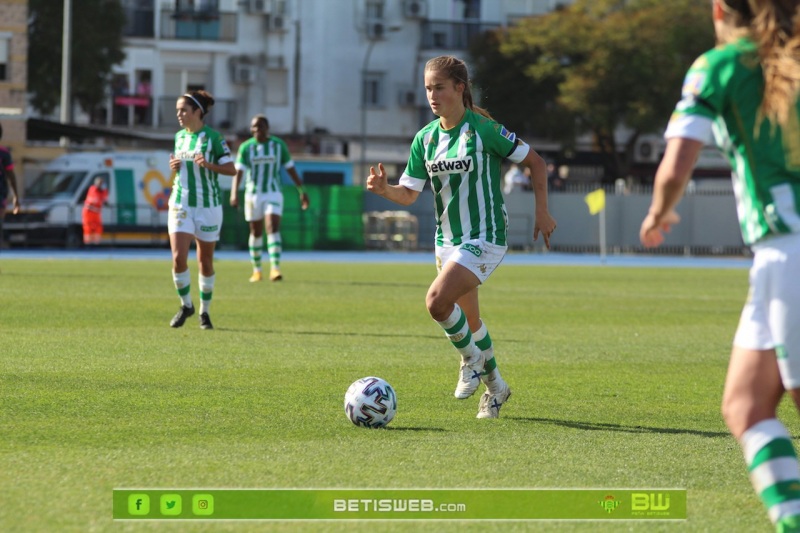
[{"x": 438, "y": 307}]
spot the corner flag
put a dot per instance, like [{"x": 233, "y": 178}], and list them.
[{"x": 596, "y": 200}]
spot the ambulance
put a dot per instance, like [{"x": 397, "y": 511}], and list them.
[{"x": 136, "y": 213}]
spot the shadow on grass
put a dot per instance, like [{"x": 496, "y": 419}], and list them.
[{"x": 599, "y": 426}]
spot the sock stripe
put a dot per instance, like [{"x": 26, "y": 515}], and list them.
[
  {"x": 485, "y": 343},
  {"x": 781, "y": 492},
  {"x": 774, "y": 449},
  {"x": 490, "y": 365},
  {"x": 183, "y": 291},
  {"x": 464, "y": 341},
  {"x": 459, "y": 325},
  {"x": 206, "y": 296}
]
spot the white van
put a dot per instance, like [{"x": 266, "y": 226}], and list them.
[{"x": 138, "y": 185}]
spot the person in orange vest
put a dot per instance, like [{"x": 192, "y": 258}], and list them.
[{"x": 96, "y": 198}]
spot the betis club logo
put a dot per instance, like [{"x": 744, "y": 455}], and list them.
[{"x": 609, "y": 503}]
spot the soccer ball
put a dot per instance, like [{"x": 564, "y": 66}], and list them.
[{"x": 370, "y": 402}]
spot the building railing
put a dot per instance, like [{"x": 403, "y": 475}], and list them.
[{"x": 203, "y": 25}]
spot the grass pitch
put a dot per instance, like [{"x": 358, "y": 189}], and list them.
[{"x": 617, "y": 376}]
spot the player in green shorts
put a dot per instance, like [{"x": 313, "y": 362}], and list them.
[
  {"x": 744, "y": 94},
  {"x": 461, "y": 154}
]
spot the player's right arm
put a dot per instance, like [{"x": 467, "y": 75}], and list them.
[
  {"x": 672, "y": 175},
  {"x": 378, "y": 184}
]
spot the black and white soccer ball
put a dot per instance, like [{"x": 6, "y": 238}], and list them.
[{"x": 370, "y": 402}]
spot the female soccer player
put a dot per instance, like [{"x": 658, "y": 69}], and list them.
[
  {"x": 461, "y": 153},
  {"x": 745, "y": 93},
  {"x": 195, "y": 205},
  {"x": 261, "y": 157}
]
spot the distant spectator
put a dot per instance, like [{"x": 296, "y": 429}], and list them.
[
  {"x": 7, "y": 180},
  {"x": 514, "y": 180},
  {"x": 557, "y": 177},
  {"x": 96, "y": 198},
  {"x": 143, "y": 90}
]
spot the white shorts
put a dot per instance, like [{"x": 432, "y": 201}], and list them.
[
  {"x": 771, "y": 316},
  {"x": 477, "y": 256},
  {"x": 256, "y": 206},
  {"x": 204, "y": 223}
]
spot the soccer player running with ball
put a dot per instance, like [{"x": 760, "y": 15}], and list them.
[
  {"x": 744, "y": 93},
  {"x": 195, "y": 205},
  {"x": 461, "y": 154},
  {"x": 260, "y": 159}
]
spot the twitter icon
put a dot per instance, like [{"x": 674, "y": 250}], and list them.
[{"x": 171, "y": 504}]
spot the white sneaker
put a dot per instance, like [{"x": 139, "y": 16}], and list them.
[
  {"x": 490, "y": 404},
  {"x": 469, "y": 378}
]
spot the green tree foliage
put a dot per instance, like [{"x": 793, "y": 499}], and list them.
[
  {"x": 607, "y": 64},
  {"x": 96, "y": 46},
  {"x": 523, "y": 104}
]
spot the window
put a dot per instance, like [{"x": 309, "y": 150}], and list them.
[
  {"x": 372, "y": 90},
  {"x": 375, "y": 10},
  {"x": 5, "y": 46},
  {"x": 277, "y": 87}
]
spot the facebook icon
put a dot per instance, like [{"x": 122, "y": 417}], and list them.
[{"x": 138, "y": 504}]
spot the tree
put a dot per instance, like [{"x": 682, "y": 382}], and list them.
[
  {"x": 96, "y": 47},
  {"x": 614, "y": 63},
  {"x": 521, "y": 103}
]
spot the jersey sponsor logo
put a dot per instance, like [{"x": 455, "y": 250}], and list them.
[
  {"x": 507, "y": 134},
  {"x": 264, "y": 159},
  {"x": 185, "y": 155},
  {"x": 448, "y": 166},
  {"x": 471, "y": 248}
]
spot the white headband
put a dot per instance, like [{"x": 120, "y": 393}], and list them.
[{"x": 203, "y": 109}]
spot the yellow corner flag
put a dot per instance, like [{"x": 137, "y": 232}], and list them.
[{"x": 596, "y": 200}]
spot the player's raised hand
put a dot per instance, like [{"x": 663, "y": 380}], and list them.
[
  {"x": 174, "y": 163},
  {"x": 653, "y": 228},
  {"x": 377, "y": 182}
]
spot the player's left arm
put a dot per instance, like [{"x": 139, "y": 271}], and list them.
[
  {"x": 544, "y": 221},
  {"x": 299, "y": 184},
  {"x": 222, "y": 153},
  {"x": 289, "y": 166}
]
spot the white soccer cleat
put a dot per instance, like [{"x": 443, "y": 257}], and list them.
[
  {"x": 469, "y": 378},
  {"x": 490, "y": 404}
]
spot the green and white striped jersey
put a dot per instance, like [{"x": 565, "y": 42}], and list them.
[
  {"x": 463, "y": 164},
  {"x": 262, "y": 163},
  {"x": 721, "y": 95},
  {"x": 195, "y": 186}
]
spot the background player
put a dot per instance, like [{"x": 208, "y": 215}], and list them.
[{"x": 260, "y": 160}]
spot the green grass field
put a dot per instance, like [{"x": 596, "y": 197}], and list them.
[{"x": 617, "y": 375}]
